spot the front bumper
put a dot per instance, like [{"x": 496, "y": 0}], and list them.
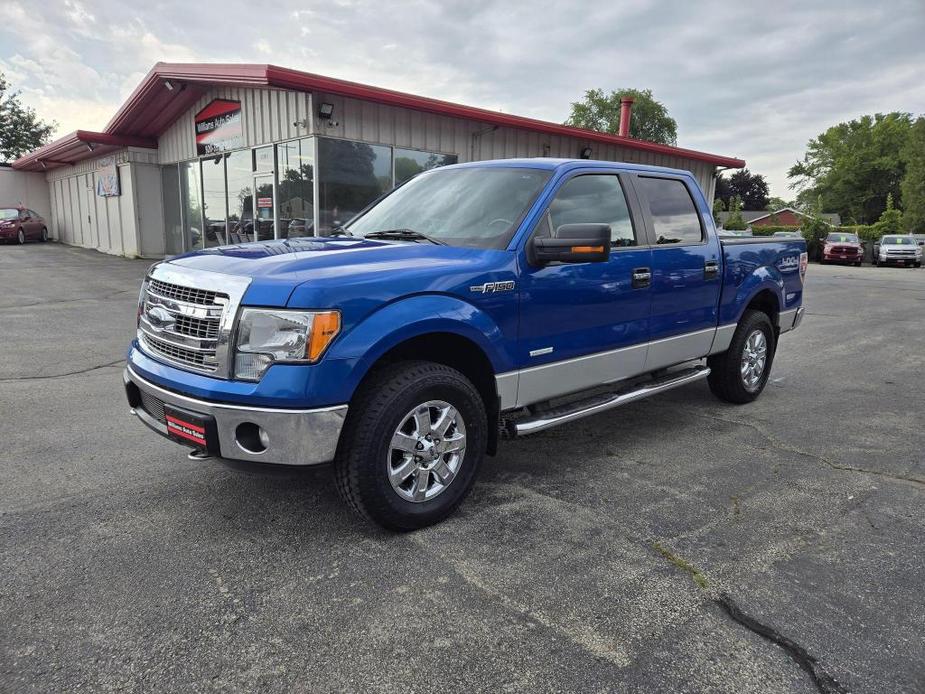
[{"x": 295, "y": 437}]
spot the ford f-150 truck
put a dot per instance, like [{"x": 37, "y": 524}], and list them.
[{"x": 475, "y": 302}]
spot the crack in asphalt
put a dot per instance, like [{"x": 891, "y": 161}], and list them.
[
  {"x": 782, "y": 446},
  {"x": 823, "y": 681},
  {"x": 105, "y": 297},
  {"x": 69, "y": 373}
]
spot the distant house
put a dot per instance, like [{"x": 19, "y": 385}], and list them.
[{"x": 786, "y": 216}]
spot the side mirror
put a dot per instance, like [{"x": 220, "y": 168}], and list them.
[{"x": 574, "y": 243}]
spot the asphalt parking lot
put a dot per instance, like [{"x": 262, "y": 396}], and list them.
[{"x": 678, "y": 544}]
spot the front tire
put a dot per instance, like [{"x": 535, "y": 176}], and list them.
[
  {"x": 44, "y": 234},
  {"x": 20, "y": 237},
  {"x": 412, "y": 445},
  {"x": 739, "y": 374}
]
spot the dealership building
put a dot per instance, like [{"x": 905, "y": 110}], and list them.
[{"x": 206, "y": 154}]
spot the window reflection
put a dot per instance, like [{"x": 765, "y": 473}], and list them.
[
  {"x": 240, "y": 178},
  {"x": 173, "y": 221},
  {"x": 674, "y": 217},
  {"x": 214, "y": 200},
  {"x": 190, "y": 202},
  {"x": 296, "y": 188},
  {"x": 350, "y": 176},
  {"x": 410, "y": 162}
]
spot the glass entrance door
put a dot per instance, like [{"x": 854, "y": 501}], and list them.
[{"x": 265, "y": 204}]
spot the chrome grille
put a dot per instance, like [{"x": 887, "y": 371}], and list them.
[
  {"x": 186, "y": 317},
  {"x": 175, "y": 352},
  {"x": 197, "y": 327},
  {"x": 177, "y": 292}
]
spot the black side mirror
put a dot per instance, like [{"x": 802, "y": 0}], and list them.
[{"x": 574, "y": 243}]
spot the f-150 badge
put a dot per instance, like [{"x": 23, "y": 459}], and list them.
[{"x": 492, "y": 287}]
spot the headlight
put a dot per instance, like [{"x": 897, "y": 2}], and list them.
[
  {"x": 142, "y": 295},
  {"x": 272, "y": 336}
]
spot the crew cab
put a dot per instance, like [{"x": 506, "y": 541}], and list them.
[{"x": 475, "y": 302}]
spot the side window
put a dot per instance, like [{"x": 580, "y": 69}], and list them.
[
  {"x": 24, "y": 214},
  {"x": 674, "y": 216},
  {"x": 594, "y": 199}
]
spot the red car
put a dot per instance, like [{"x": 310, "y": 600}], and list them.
[
  {"x": 839, "y": 247},
  {"x": 18, "y": 224}
]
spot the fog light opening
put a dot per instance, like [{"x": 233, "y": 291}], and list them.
[{"x": 251, "y": 438}]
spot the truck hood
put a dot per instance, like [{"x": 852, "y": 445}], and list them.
[{"x": 277, "y": 268}]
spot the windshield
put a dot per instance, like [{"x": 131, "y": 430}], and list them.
[
  {"x": 898, "y": 240},
  {"x": 476, "y": 207},
  {"x": 8, "y": 213},
  {"x": 842, "y": 238}
]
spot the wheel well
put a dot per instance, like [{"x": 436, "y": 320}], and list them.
[
  {"x": 457, "y": 352},
  {"x": 766, "y": 301}
]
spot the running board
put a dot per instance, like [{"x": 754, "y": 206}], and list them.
[{"x": 602, "y": 403}]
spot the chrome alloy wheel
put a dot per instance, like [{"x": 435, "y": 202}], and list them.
[
  {"x": 426, "y": 451},
  {"x": 754, "y": 359}
]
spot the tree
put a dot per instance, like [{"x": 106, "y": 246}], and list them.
[
  {"x": 913, "y": 185},
  {"x": 750, "y": 188},
  {"x": 854, "y": 166},
  {"x": 718, "y": 207},
  {"x": 815, "y": 229},
  {"x": 21, "y": 131},
  {"x": 649, "y": 121},
  {"x": 775, "y": 204},
  {"x": 735, "y": 221},
  {"x": 891, "y": 221}
]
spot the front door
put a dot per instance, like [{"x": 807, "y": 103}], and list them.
[
  {"x": 686, "y": 278},
  {"x": 584, "y": 324}
]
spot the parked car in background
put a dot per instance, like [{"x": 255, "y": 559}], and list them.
[
  {"x": 839, "y": 247},
  {"x": 787, "y": 234},
  {"x": 20, "y": 224},
  {"x": 919, "y": 238},
  {"x": 901, "y": 250}
]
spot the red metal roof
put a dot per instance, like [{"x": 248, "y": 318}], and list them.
[
  {"x": 169, "y": 89},
  {"x": 78, "y": 145}
]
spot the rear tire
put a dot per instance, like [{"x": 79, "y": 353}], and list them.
[
  {"x": 20, "y": 237},
  {"x": 44, "y": 234},
  {"x": 739, "y": 374},
  {"x": 399, "y": 447}
]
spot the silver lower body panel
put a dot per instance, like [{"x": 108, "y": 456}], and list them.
[{"x": 294, "y": 437}]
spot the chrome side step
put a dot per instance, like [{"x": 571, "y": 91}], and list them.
[{"x": 602, "y": 403}]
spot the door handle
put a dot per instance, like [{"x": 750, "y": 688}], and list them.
[
  {"x": 642, "y": 277},
  {"x": 710, "y": 269}
]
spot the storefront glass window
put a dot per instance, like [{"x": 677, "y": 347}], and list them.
[
  {"x": 190, "y": 203},
  {"x": 240, "y": 177},
  {"x": 350, "y": 176},
  {"x": 410, "y": 162},
  {"x": 173, "y": 222},
  {"x": 263, "y": 159},
  {"x": 296, "y": 187},
  {"x": 214, "y": 199}
]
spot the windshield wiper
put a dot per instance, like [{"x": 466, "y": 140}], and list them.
[{"x": 403, "y": 234}]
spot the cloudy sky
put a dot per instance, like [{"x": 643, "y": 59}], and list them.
[{"x": 749, "y": 79}]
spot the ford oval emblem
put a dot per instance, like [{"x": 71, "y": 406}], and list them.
[{"x": 159, "y": 318}]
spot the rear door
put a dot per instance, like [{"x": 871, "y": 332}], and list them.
[
  {"x": 583, "y": 324},
  {"x": 686, "y": 277}
]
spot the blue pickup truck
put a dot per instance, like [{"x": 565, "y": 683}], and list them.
[{"x": 475, "y": 302}]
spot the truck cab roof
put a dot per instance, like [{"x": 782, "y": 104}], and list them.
[{"x": 562, "y": 165}]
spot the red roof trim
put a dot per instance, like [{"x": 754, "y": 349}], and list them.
[
  {"x": 77, "y": 146},
  {"x": 152, "y": 107}
]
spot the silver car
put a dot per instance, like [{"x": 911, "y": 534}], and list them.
[{"x": 901, "y": 250}]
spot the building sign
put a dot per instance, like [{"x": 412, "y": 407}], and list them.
[
  {"x": 218, "y": 127},
  {"x": 107, "y": 178},
  {"x": 264, "y": 202}
]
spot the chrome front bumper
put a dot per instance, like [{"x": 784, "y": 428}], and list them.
[{"x": 295, "y": 437}]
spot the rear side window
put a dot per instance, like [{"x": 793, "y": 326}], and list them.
[
  {"x": 674, "y": 217},
  {"x": 594, "y": 199}
]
